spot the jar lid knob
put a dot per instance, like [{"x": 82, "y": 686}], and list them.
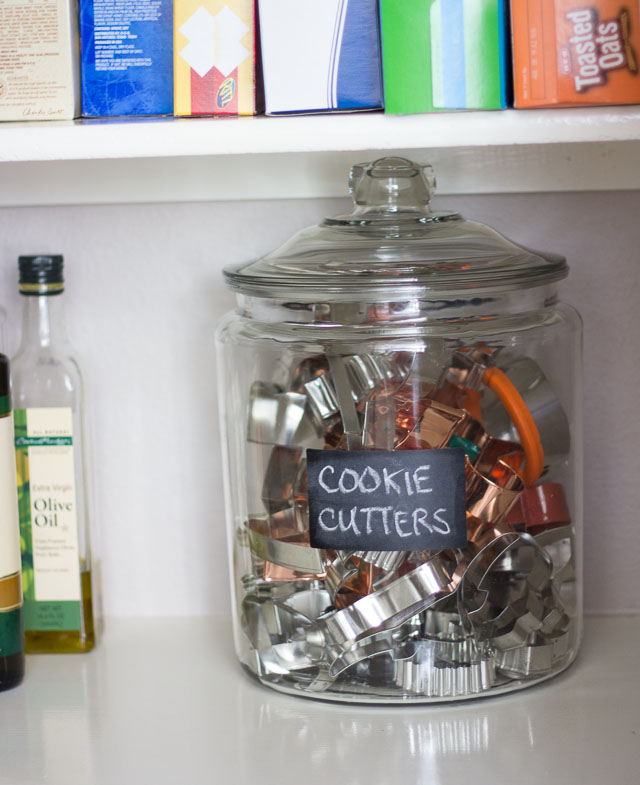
[{"x": 392, "y": 185}]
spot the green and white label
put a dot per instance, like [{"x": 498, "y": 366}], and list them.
[{"x": 48, "y": 518}]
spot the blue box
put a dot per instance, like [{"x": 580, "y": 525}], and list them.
[{"x": 127, "y": 57}]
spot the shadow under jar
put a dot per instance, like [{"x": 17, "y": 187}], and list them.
[{"x": 400, "y": 412}]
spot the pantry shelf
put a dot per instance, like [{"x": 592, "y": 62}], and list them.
[
  {"x": 163, "y": 701},
  {"x": 166, "y": 159}
]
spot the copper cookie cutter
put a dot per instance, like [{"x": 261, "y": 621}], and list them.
[
  {"x": 471, "y": 371},
  {"x": 540, "y": 399},
  {"x": 279, "y": 540},
  {"x": 490, "y": 500}
]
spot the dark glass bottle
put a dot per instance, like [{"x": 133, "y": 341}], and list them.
[{"x": 11, "y": 630}]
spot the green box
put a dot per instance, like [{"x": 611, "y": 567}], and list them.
[{"x": 444, "y": 54}]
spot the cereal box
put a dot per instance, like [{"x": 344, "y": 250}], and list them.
[
  {"x": 568, "y": 52},
  {"x": 320, "y": 55},
  {"x": 214, "y": 57},
  {"x": 444, "y": 54},
  {"x": 39, "y": 60},
  {"x": 127, "y": 59}
]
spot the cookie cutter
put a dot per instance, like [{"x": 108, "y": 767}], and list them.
[
  {"x": 539, "y": 507},
  {"x": 469, "y": 365},
  {"x": 534, "y": 610},
  {"x": 385, "y": 642},
  {"x": 445, "y": 669},
  {"x": 472, "y": 371},
  {"x": 490, "y": 500},
  {"x": 385, "y": 609},
  {"x": 344, "y": 392},
  {"x": 494, "y": 450},
  {"x": 434, "y": 425},
  {"x": 387, "y": 561},
  {"x": 379, "y": 425},
  {"x": 280, "y": 477},
  {"x": 322, "y": 398},
  {"x": 338, "y": 572},
  {"x": 533, "y": 660},
  {"x": 436, "y": 623},
  {"x": 272, "y": 626},
  {"x": 540, "y": 399},
  {"x": 364, "y": 373},
  {"x": 558, "y": 545},
  {"x": 277, "y": 417},
  {"x": 291, "y": 549}
]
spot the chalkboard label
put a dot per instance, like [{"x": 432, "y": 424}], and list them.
[{"x": 384, "y": 500}]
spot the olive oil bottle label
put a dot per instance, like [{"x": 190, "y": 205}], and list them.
[
  {"x": 48, "y": 518},
  {"x": 10, "y": 594}
]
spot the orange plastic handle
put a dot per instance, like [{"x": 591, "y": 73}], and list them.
[{"x": 497, "y": 381}]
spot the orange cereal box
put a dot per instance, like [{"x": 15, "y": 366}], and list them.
[{"x": 568, "y": 52}]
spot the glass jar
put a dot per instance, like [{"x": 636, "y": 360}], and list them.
[{"x": 400, "y": 411}]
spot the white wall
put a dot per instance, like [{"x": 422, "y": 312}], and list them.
[{"x": 144, "y": 292}]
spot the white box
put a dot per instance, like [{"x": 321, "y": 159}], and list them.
[
  {"x": 39, "y": 60},
  {"x": 320, "y": 55}
]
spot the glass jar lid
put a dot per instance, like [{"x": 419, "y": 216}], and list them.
[{"x": 393, "y": 243}]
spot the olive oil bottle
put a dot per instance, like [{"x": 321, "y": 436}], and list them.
[
  {"x": 50, "y": 459},
  {"x": 11, "y": 635}
]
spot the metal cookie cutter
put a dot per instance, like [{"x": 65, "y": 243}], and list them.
[
  {"x": 379, "y": 426},
  {"x": 468, "y": 366},
  {"x": 339, "y": 571},
  {"x": 291, "y": 549},
  {"x": 535, "y": 659},
  {"x": 385, "y": 642},
  {"x": 348, "y": 413},
  {"x": 558, "y": 544},
  {"x": 273, "y": 626},
  {"x": 531, "y": 609},
  {"x": 322, "y": 398},
  {"x": 385, "y": 609},
  {"x": 277, "y": 417},
  {"x": 485, "y": 548},
  {"x": 280, "y": 477},
  {"x": 445, "y": 669},
  {"x": 364, "y": 374},
  {"x": 387, "y": 561},
  {"x": 344, "y": 574}
]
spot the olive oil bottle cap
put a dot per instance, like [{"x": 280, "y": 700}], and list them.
[{"x": 41, "y": 274}]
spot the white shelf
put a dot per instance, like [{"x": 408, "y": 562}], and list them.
[
  {"x": 163, "y": 701},
  {"x": 168, "y": 159},
  {"x": 169, "y": 137}
]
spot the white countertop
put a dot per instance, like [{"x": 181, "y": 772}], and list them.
[{"x": 163, "y": 701}]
